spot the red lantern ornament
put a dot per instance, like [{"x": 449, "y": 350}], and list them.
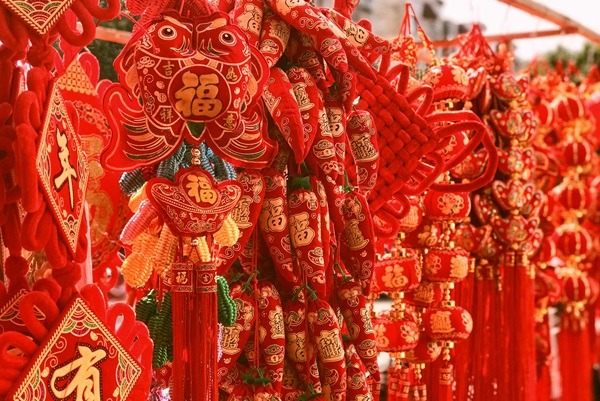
[
  {"x": 449, "y": 82},
  {"x": 446, "y": 265},
  {"x": 514, "y": 123},
  {"x": 507, "y": 87},
  {"x": 568, "y": 107},
  {"x": 574, "y": 244},
  {"x": 516, "y": 160},
  {"x": 575, "y": 195},
  {"x": 414, "y": 217},
  {"x": 426, "y": 295},
  {"x": 447, "y": 206},
  {"x": 447, "y": 323},
  {"x": 577, "y": 289},
  {"x": 425, "y": 351},
  {"x": 395, "y": 334},
  {"x": 578, "y": 153},
  {"x": 397, "y": 273}
]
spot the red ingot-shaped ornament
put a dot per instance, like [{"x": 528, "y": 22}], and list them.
[
  {"x": 471, "y": 167},
  {"x": 574, "y": 243},
  {"x": 447, "y": 323},
  {"x": 514, "y": 123},
  {"x": 448, "y": 82},
  {"x": 447, "y": 206},
  {"x": 425, "y": 351},
  {"x": 446, "y": 265},
  {"x": 426, "y": 295},
  {"x": 471, "y": 238},
  {"x": 395, "y": 335},
  {"x": 398, "y": 273},
  {"x": 507, "y": 87},
  {"x": 514, "y": 194},
  {"x": 513, "y": 228},
  {"x": 575, "y": 195},
  {"x": 194, "y": 204},
  {"x": 516, "y": 160}
]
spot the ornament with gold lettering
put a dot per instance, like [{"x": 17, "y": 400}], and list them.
[
  {"x": 357, "y": 247},
  {"x": 362, "y": 134},
  {"x": 245, "y": 215},
  {"x": 108, "y": 212},
  {"x": 353, "y": 305},
  {"x": 63, "y": 170},
  {"x": 274, "y": 228},
  {"x": 271, "y": 333},
  {"x": 196, "y": 79},
  {"x": 86, "y": 355},
  {"x": 235, "y": 337},
  {"x": 299, "y": 348},
  {"x": 193, "y": 205},
  {"x": 305, "y": 221},
  {"x": 327, "y": 336}
]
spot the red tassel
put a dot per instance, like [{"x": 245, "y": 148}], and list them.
[
  {"x": 180, "y": 287},
  {"x": 204, "y": 328},
  {"x": 543, "y": 384},
  {"x": 446, "y": 382},
  {"x": 519, "y": 308},
  {"x": 405, "y": 380},
  {"x": 574, "y": 351},
  {"x": 463, "y": 295},
  {"x": 392, "y": 384}
]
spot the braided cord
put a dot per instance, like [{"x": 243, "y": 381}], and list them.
[{"x": 131, "y": 182}]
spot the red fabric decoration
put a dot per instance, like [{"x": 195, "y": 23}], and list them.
[{"x": 161, "y": 123}]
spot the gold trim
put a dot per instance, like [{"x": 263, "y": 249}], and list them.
[
  {"x": 31, "y": 23},
  {"x": 77, "y": 306}
]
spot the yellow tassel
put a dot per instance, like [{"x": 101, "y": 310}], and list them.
[
  {"x": 228, "y": 234},
  {"x": 203, "y": 250},
  {"x": 164, "y": 253},
  {"x": 137, "y": 268},
  {"x": 137, "y": 198}
]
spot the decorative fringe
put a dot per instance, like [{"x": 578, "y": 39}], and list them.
[
  {"x": 519, "y": 310},
  {"x": 575, "y": 363},
  {"x": 203, "y": 316},
  {"x": 446, "y": 380}
]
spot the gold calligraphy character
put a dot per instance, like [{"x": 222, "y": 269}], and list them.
[
  {"x": 198, "y": 97},
  {"x": 441, "y": 322},
  {"x": 166, "y": 115},
  {"x": 68, "y": 173},
  {"x": 181, "y": 278},
  {"x": 87, "y": 379},
  {"x": 206, "y": 102},
  {"x": 199, "y": 187},
  {"x": 168, "y": 68}
]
